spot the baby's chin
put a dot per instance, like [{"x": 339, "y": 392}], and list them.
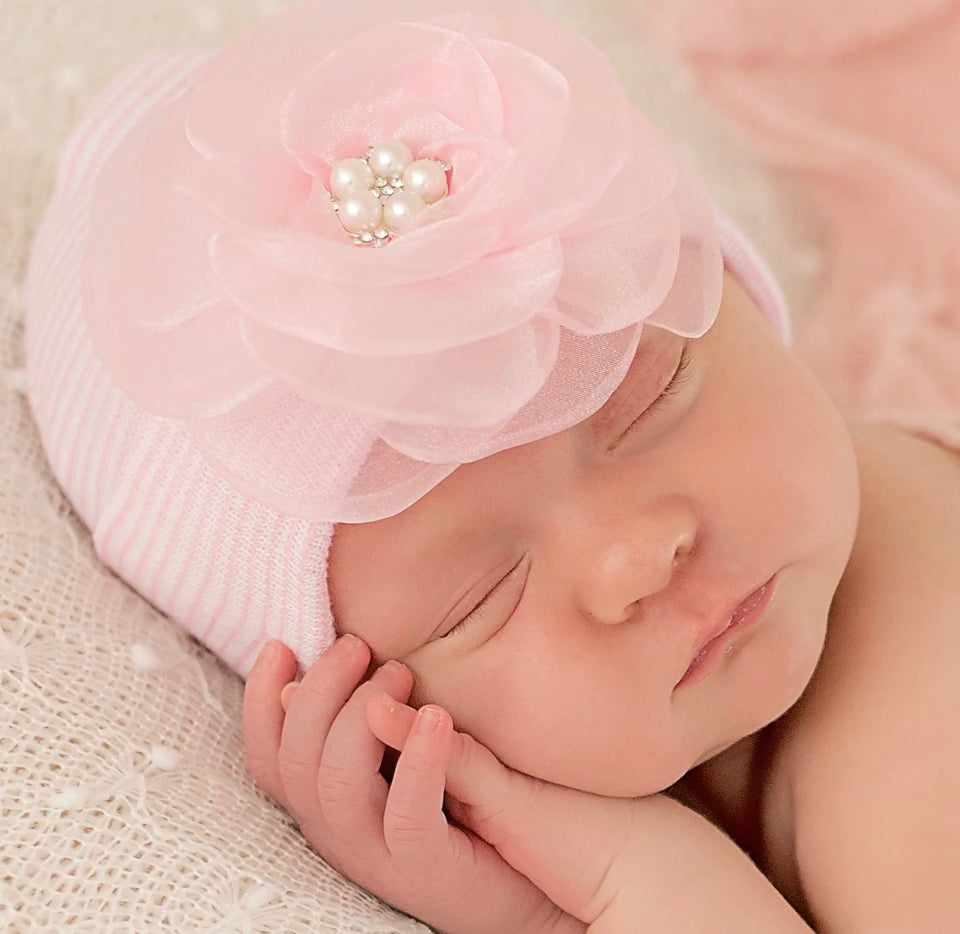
[{"x": 624, "y": 780}]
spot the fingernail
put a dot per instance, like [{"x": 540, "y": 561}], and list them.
[
  {"x": 287, "y": 693},
  {"x": 344, "y": 647},
  {"x": 270, "y": 652},
  {"x": 385, "y": 700},
  {"x": 427, "y": 720}
]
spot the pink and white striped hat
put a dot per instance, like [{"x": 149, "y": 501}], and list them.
[{"x": 250, "y": 318}]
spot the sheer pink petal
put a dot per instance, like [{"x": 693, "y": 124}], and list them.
[
  {"x": 425, "y": 253},
  {"x": 260, "y": 67},
  {"x": 694, "y": 299},
  {"x": 594, "y": 146},
  {"x": 619, "y": 274},
  {"x": 505, "y": 372},
  {"x": 539, "y": 99},
  {"x": 426, "y": 82},
  {"x": 646, "y": 179},
  {"x": 491, "y": 296},
  {"x": 200, "y": 367},
  {"x": 303, "y": 459},
  {"x": 262, "y": 187},
  {"x": 155, "y": 273},
  {"x": 585, "y": 373}
]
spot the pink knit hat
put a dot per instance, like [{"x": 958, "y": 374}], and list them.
[{"x": 279, "y": 285}]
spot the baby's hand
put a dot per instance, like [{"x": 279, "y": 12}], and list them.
[
  {"x": 578, "y": 848},
  {"x": 321, "y": 763}
]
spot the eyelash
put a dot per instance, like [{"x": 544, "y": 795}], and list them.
[
  {"x": 680, "y": 376},
  {"x": 477, "y": 610}
]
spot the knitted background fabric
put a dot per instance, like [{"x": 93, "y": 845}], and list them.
[{"x": 125, "y": 802}]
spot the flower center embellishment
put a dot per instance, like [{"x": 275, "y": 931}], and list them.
[{"x": 380, "y": 195}]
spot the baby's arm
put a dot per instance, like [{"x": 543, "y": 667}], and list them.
[
  {"x": 618, "y": 864},
  {"x": 684, "y": 875}
]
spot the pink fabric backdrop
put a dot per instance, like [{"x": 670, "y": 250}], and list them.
[{"x": 858, "y": 106}]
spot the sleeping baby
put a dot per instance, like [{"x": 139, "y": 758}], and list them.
[{"x": 399, "y": 357}]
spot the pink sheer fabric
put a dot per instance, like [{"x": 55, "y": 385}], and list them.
[
  {"x": 336, "y": 382},
  {"x": 856, "y": 104}
]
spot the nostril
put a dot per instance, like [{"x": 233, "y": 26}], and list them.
[{"x": 683, "y": 549}]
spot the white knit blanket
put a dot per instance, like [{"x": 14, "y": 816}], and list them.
[{"x": 126, "y": 806}]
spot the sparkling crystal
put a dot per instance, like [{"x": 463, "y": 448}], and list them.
[
  {"x": 381, "y": 233},
  {"x": 366, "y": 237}
]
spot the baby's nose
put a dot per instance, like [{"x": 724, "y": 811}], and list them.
[{"x": 629, "y": 558}]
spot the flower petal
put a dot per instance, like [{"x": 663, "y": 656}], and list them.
[
  {"x": 305, "y": 460},
  {"x": 409, "y": 81},
  {"x": 619, "y": 274},
  {"x": 494, "y": 295},
  {"x": 694, "y": 300},
  {"x": 585, "y": 373},
  {"x": 200, "y": 367},
  {"x": 594, "y": 145},
  {"x": 420, "y": 389}
]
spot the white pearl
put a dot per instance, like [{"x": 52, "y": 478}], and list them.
[
  {"x": 350, "y": 177},
  {"x": 426, "y": 178},
  {"x": 360, "y": 213},
  {"x": 389, "y": 159},
  {"x": 402, "y": 209}
]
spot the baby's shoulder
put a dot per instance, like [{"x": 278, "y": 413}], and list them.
[{"x": 871, "y": 754}]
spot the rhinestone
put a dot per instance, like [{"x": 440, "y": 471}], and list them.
[
  {"x": 381, "y": 233},
  {"x": 388, "y": 190},
  {"x": 366, "y": 237}
]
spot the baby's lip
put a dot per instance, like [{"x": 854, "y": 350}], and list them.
[{"x": 709, "y": 629}]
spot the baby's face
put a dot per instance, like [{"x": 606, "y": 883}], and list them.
[{"x": 608, "y": 552}]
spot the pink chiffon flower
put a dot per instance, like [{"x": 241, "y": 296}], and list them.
[{"x": 333, "y": 381}]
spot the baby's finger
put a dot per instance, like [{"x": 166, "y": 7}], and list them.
[
  {"x": 414, "y": 827},
  {"x": 528, "y": 820},
  {"x": 287, "y": 693},
  {"x": 494, "y": 796},
  {"x": 389, "y": 719},
  {"x": 325, "y": 688},
  {"x": 263, "y": 716},
  {"x": 351, "y": 790}
]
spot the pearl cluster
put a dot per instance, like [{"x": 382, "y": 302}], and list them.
[{"x": 380, "y": 195}]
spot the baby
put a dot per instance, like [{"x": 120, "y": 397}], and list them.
[{"x": 435, "y": 343}]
